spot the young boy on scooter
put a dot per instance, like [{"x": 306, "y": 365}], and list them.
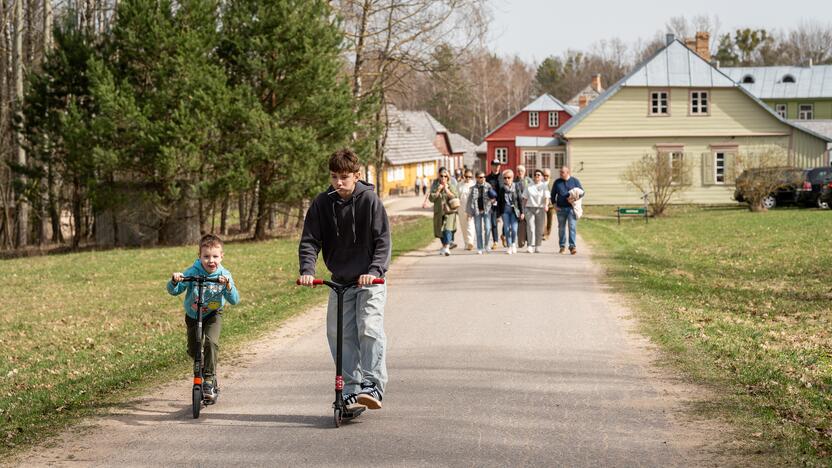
[
  {"x": 349, "y": 223},
  {"x": 214, "y": 298}
]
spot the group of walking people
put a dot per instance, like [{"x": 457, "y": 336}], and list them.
[{"x": 524, "y": 206}]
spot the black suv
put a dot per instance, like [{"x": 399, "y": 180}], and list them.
[
  {"x": 809, "y": 193},
  {"x": 790, "y": 177},
  {"x": 825, "y": 196}
]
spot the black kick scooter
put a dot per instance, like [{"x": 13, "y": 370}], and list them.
[
  {"x": 341, "y": 413},
  {"x": 198, "y": 399}
]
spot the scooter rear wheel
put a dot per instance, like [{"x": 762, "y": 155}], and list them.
[
  {"x": 338, "y": 417},
  {"x": 196, "y": 401}
]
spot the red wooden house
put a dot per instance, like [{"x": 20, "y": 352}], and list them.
[{"x": 528, "y": 137}]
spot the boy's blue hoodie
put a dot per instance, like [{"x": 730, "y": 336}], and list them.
[{"x": 214, "y": 295}]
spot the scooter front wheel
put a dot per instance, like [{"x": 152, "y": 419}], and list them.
[
  {"x": 338, "y": 417},
  {"x": 196, "y": 401}
]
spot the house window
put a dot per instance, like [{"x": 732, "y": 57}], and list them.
[
  {"x": 391, "y": 174},
  {"x": 429, "y": 169},
  {"x": 806, "y": 112},
  {"x": 781, "y": 110},
  {"x": 559, "y": 159},
  {"x": 659, "y": 103},
  {"x": 788, "y": 79},
  {"x": 677, "y": 159},
  {"x": 545, "y": 160},
  {"x": 719, "y": 167},
  {"x": 399, "y": 173},
  {"x": 699, "y": 103},
  {"x": 502, "y": 155},
  {"x": 748, "y": 79},
  {"x": 553, "y": 119},
  {"x": 534, "y": 119},
  {"x": 530, "y": 161},
  {"x": 419, "y": 171}
]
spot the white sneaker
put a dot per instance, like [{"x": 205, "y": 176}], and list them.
[
  {"x": 508, "y": 250},
  {"x": 479, "y": 252},
  {"x": 514, "y": 248},
  {"x": 447, "y": 251},
  {"x": 537, "y": 250},
  {"x": 442, "y": 251},
  {"x": 530, "y": 249}
]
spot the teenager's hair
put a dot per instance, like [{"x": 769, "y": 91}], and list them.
[
  {"x": 210, "y": 240},
  {"x": 344, "y": 160}
]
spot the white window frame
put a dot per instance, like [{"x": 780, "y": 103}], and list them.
[
  {"x": 719, "y": 171},
  {"x": 805, "y": 112},
  {"x": 661, "y": 108},
  {"x": 558, "y": 159},
  {"x": 534, "y": 119},
  {"x": 530, "y": 166},
  {"x": 674, "y": 156},
  {"x": 554, "y": 119},
  {"x": 429, "y": 169},
  {"x": 501, "y": 154},
  {"x": 391, "y": 174},
  {"x": 782, "y": 110},
  {"x": 419, "y": 170},
  {"x": 700, "y": 102}
]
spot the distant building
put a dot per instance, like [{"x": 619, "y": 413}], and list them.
[
  {"x": 797, "y": 93},
  {"x": 527, "y": 137},
  {"x": 677, "y": 105},
  {"x": 588, "y": 94},
  {"x": 410, "y": 150}
]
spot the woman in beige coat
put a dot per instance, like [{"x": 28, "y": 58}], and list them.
[{"x": 445, "y": 197}]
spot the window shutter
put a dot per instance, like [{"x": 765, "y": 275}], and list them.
[
  {"x": 730, "y": 168},
  {"x": 708, "y": 169},
  {"x": 687, "y": 170}
]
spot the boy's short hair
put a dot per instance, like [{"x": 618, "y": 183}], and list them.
[
  {"x": 210, "y": 240},
  {"x": 344, "y": 160}
]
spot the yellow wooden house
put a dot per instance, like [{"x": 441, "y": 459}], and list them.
[
  {"x": 677, "y": 105},
  {"x": 410, "y": 151}
]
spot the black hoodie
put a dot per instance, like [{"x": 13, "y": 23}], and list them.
[{"x": 354, "y": 235}]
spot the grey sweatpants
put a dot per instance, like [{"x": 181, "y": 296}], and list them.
[
  {"x": 364, "y": 350},
  {"x": 536, "y": 224}
]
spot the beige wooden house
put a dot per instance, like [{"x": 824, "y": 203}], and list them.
[{"x": 677, "y": 105}]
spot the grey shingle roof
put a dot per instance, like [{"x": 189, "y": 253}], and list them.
[
  {"x": 410, "y": 137},
  {"x": 809, "y": 82},
  {"x": 460, "y": 144},
  {"x": 823, "y": 127}
]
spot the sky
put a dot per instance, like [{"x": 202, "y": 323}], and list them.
[{"x": 536, "y": 29}]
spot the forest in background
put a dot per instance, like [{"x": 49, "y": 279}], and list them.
[{"x": 144, "y": 122}]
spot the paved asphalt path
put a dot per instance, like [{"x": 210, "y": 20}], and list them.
[{"x": 494, "y": 360}]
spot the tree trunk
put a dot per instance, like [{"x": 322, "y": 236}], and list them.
[
  {"x": 203, "y": 221},
  {"x": 53, "y": 207},
  {"x": 224, "y": 216},
  {"x": 272, "y": 216},
  {"x": 77, "y": 217},
  {"x": 301, "y": 213},
  {"x": 22, "y": 211},
  {"x": 262, "y": 218},
  {"x": 47, "y": 27},
  {"x": 252, "y": 204},
  {"x": 242, "y": 203}
]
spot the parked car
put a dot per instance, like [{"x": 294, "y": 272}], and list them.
[
  {"x": 813, "y": 182},
  {"x": 825, "y": 196},
  {"x": 790, "y": 178}
]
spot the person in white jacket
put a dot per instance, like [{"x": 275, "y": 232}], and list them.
[
  {"x": 465, "y": 222},
  {"x": 536, "y": 202}
]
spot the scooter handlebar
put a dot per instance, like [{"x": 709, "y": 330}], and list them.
[
  {"x": 203, "y": 279},
  {"x": 318, "y": 282}
]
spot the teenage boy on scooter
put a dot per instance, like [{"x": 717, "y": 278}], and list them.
[
  {"x": 349, "y": 223},
  {"x": 214, "y": 298}
]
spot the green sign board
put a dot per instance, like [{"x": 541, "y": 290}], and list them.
[{"x": 631, "y": 211}]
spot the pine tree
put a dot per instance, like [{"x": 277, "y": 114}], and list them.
[
  {"x": 286, "y": 56},
  {"x": 162, "y": 96}
]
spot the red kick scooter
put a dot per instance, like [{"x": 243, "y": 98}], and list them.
[{"x": 340, "y": 408}]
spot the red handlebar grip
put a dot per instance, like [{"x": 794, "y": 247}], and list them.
[
  {"x": 378, "y": 281},
  {"x": 315, "y": 281}
]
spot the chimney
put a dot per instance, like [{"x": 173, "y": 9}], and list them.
[
  {"x": 669, "y": 38},
  {"x": 596, "y": 82},
  {"x": 582, "y": 101},
  {"x": 703, "y": 48}
]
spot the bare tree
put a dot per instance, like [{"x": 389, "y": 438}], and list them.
[
  {"x": 22, "y": 207},
  {"x": 812, "y": 40},
  {"x": 660, "y": 176}
]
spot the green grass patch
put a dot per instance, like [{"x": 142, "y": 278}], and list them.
[
  {"x": 87, "y": 330},
  {"x": 740, "y": 301}
]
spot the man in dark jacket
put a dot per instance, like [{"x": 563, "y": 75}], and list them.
[
  {"x": 564, "y": 210},
  {"x": 349, "y": 223},
  {"x": 495, "y": 180}
]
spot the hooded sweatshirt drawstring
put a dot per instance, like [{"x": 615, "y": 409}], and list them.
[{"x": 338, "y": 227}]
